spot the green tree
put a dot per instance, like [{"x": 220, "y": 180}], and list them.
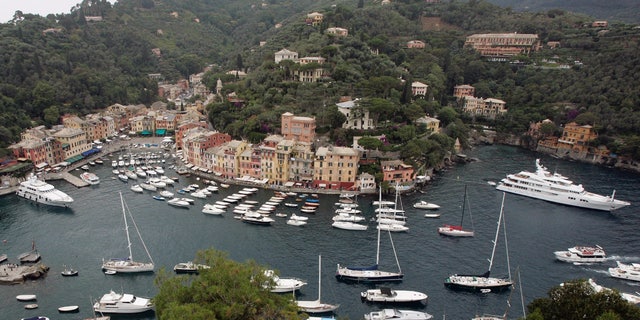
[
  {"x": 228, "y": 290},
  {"x": 577, "y": 300},
  {"x": 370, "y": 143}
]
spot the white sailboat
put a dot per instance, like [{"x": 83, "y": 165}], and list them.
[
  {"x": 317, "y": 306},
  {"x": 484, "y": 283},
  {"x": 457, "y": 230},
  {"x": 371, "y": 273},
  {"x": 128, "y": 265}
]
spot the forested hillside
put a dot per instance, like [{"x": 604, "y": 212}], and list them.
[
  {"x": 614, "y": 10},
  {"x": 57, "y": 64}
]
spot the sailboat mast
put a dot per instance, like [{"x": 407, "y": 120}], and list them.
[
  {"x": 319, "y": 277},
  {"x": 464, "y": 203},
  {"x": 379, "y": 217},
  {"x": 506, "y": 244},
  {"x": 495, "y": 240},
  {"x": 126, "y": 227}
]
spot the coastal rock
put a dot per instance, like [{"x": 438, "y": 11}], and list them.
[{"x": 15, "y": 274}]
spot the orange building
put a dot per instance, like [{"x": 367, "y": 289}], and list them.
[
  {"x": 396, "y": 172},
  {"x": 576, "y": 138},
  {"x": 298, "y": 128}
]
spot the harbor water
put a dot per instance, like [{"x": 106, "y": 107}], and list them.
[{"x": 92, "y": 230}]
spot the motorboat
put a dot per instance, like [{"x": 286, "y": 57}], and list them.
[
  {"x": 630, "y": 297},
  {"x": 189, "y": 267},
  {"x": 178, "y": 202},
  {"x": 137, "y": 188},
  {"x": 159, "y": 198},
  {"x": 69, "y": 272},
  {"x": 626, "y": 271},
  {"x": 123, "y": 177},
  {"x": 149, "y": 187},
  {"x": 297, "y": 223},
  {"x": 156, "y": 182},
  {"x": 297, "y": 217},
  {"x": 393, "y": 227},
  {"x": 349, "y": 225},
  {"x": 166, "y": 193},
  {"x": 90, "y": 178},
  {"x": 291, "y": 205},
  {"x": 395, "y": 314},
  {"x": 189, "y": 200},
  {"x": 388, "y": 295},
  {"x": 282, "y": 285},
  {"x": 199, "y": 195},
  {"x": 256, "y": 218},
  {"x": 130, "y": 174},
  {"x": 426, "y": 205},
  {"x": 41, "y": 192},
  {"x": 582, "y": 254},
  {"x": 113, "y": 302},
  {"x": 212, "y": 209},
  {"x": 556, "y": 188}
]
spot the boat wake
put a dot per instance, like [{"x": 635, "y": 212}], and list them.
[
  {"x": 623, "y": 259},
  {"x": 600, "y": 271}
]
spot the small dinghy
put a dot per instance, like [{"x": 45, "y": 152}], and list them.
[{"x": 68, "y": 309}]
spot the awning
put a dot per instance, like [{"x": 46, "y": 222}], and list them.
[
  {"x": 189, "y": 165},
  {"x": 161, "y": 132},
  {"x": 289, "y": 184},
  {"x": 41, "y": 165},
  {"x": 145, "y": 133},
  {"x": 322, "y": 185},
  {"x": 203, "y": 169}
]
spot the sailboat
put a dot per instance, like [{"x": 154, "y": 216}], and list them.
[
  {"x": 457, "y": 230},
  {"x": 128, "y": 265},
  {"x": 484, "y": 283},
  {"x": 371, "y": 273},
  {"x": 504, "y": 316},
  {"x": 317, "y": 306}
]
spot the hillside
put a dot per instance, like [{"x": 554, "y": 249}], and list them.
[
  {"x": 68, "y": 63},
  {"x": 614, "y": 10}
]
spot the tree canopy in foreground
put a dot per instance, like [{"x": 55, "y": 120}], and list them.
[
  {"x": 577, "y": 300},
  {"x": 228, "y": 290}
]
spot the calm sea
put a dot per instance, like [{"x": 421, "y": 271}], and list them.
[{"x": 93, "y": 230}]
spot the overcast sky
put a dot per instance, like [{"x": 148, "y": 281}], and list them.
[{"x": 41, "y": 7}]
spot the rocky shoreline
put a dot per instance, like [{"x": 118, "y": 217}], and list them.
[{"x": 17, "y": 274}]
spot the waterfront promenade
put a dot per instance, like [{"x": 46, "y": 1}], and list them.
[{"x": 154, "y": 143}]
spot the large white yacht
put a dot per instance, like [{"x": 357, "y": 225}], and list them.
[
  {"x": 113, "y": 302},
  {"x": 42, "y": 192},
  {"x": 556, "y": 188}
]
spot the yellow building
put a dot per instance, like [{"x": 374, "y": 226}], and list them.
[
  {"x": 335, "y": 167},
  {"x": 74, "y": 142},
  {"x": 576, "y": 138}
]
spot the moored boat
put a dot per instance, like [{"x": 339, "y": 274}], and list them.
[
  {"x": 388, "y": 295},
  {"x": 41, "y": 192},
  {"x": 556, "y": 188},
  {"x": 113, "y": 302},
  {"x": 189, "y": 267},
  {"x": 426, "y": 205},
  {"x": 396, "y": 314}
]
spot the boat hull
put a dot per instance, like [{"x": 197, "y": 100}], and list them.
[
  {"x": 477, "y": 284},
  {"x": 360, "y": 275}
]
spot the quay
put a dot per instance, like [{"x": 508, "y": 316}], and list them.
[{"x": 15, "y": 274}]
